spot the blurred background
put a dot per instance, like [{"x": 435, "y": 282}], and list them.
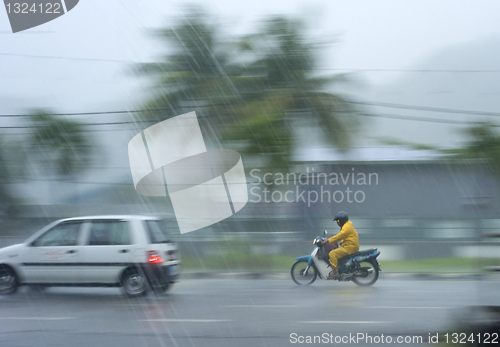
[
  {"x": 388, "y": 110},
  {"x": 390, "y": 119}
]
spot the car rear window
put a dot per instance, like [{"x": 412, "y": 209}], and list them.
[{"x": 157, "y": 231}]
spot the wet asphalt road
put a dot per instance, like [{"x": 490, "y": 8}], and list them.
[{"x": 232, "y": 312}]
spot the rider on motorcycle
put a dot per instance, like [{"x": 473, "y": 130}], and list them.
[{"x": 349, "y": 242}]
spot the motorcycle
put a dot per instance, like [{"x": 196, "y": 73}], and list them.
[{"x": 361, "y": 267}]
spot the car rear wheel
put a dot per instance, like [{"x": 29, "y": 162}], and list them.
[
  {"x": 8, "y": 281},
  {"x": 134, "y": 283}
]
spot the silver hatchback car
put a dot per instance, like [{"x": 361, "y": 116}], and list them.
[{"x": 134, "y": 252}]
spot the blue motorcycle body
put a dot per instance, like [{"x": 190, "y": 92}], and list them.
[{"x": 361, "y": 267}]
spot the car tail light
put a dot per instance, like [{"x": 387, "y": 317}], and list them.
[{"x": 154, "y": 257}]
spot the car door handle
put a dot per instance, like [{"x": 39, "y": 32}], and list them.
[
  {"x": 71, "y": 251},
  {"x": 123, "y": 251}
]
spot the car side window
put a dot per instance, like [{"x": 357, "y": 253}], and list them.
[
  {"x": 64, "y": 234},
  {"x": 109, "y": 233}
]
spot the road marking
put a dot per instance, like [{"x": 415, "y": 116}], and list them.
[
  {"x": 410, "y": 307},
  {"x": 343, "y": 322},
  {"x": 186, "y": 320},
  {"x": 270, "y": 290},
  {"x": 261, "y": 306},
  {"x": 425, "y": 291},
  {"x": 37, "y": 318}
]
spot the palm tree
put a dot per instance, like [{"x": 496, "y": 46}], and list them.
[
  {"x": 53, "y": 142},
  {"x": 250, "y": 105},
  {"x": 196, "y": 72},
  {"x": 58, "y": 141},
  {"x": 483, "y": 144},
  {"x": 281, "y": 88}
]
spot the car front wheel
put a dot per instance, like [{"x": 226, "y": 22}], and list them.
[{"x": 8, "y": 281}]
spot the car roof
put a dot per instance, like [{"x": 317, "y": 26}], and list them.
[{"x": 127, "y": 217}]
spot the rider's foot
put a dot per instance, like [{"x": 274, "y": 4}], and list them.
[{"x": 333, "y": 275}]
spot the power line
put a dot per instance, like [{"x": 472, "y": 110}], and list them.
[
  {"x": 369, "y": 103},
  {"x": 315, "y": 69},
  {"x": 91, "y": 113},
  {"x": 382, "y": 115},
  {"x": 420, "y": 119},
  {"x": 67, "y": 58},
  {"x": 425, "y": 108},
  {"x": 113, "y": 112},
  {"x": 389, "y": 116},
  {"x": 85, "y": 124},
  {"x": 83, "y": 131},
  {"x": 415, "y": 70},
  {"x": 380, "y": 104}
]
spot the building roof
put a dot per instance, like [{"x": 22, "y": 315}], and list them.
[
  {"x": 365, "y": 154},
  {"x": 112, "y": 217}
]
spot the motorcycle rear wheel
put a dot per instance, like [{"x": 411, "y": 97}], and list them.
[
  {"x": 366, "y": 275},
  {"x": 297, "y": 273}
]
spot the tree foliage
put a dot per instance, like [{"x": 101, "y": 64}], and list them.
[
  {"x": 249, "y": 90},
  {"x": 483, "y": 143},
  {"x": 58, "y": 141}
]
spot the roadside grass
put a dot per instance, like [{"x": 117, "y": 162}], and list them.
[
  {"x": 440, "y": 265},
  {"x": 231, "y": 262},
  {"x": 247, "y": 262}
]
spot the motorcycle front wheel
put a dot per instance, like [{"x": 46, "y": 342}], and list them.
[
  {"x": 298, "y": 275},
  {"x": 366, "y": 275}
]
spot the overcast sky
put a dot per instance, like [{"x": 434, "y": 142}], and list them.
[
  {"x": 99, "y": 39},
  {"x": 369, "y": 35}
]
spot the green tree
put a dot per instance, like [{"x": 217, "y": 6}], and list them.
[
  {"x": 59, "y": 142},
  {"x": 483, "y": 143},
  {"x": 248, "y": 90},
  {"x": 282, "y": 88},
  {"x": 53, "y": 142},
  {"x": 195, "y": 72}
]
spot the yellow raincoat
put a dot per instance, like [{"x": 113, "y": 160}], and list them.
[{"x": 349, "y": 243}]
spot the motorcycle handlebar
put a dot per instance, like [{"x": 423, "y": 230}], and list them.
[{"x": 321, "y": 242}]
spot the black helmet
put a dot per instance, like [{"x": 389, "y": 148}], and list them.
[{"x": 342, "y": 217}]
